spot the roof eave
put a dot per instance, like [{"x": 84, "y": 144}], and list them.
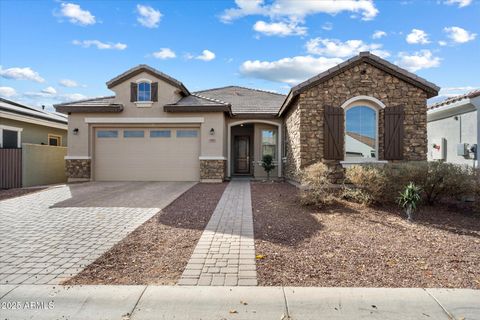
[
  {"x": 88, "y": 109},
  {"x": 210, "y": 108}
]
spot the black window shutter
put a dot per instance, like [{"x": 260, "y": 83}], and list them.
[
  {"x": 155, "y": 91},
  {"x": 394, "y": 133},
  {"x": 333, "y": 133},
  {"x": 133, "y": 92}
]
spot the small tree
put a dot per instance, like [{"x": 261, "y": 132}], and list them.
[
  {"x": 267, "y": 164},
  {"x": 409, "y": 199}
]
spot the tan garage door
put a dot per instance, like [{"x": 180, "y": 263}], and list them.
[{"x": 147, "y": 154}]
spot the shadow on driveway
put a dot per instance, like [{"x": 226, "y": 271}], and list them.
[{"x": 124, "y": 194}]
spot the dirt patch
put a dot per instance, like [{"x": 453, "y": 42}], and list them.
[
  {"x": 13, "y": 193},
  {"x": 157, "y": 251},
  {"x": 352, "y": 246}
]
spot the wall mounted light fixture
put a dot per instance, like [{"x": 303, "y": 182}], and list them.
[
  {"x": 75, "y": 131},
  {"x": 212, "y": 132}
]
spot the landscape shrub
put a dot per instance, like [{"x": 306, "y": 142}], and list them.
[
  {"x": 368, "y": 184},
  {"x": 317, "y": 189},
  {"x": 437, "y": 180}
]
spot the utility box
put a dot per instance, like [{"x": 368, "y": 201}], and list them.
[
  {"x": 438, "y": 149},
  {"x": 462, "y": 150}
]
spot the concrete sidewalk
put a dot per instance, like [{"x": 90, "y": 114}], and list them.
[{"x": 181, "y": 302}]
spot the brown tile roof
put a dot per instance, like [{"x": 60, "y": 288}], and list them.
[
  {"x": 246, "y": 100},
  {"x": 100, "y": 104},
  {"x": 429, "y": 87},
  {"x": 196, "y": 102},
  {"x": 468, "y": 95}
]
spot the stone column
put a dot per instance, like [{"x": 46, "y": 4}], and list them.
[
  {"x": 78, "y": 169},
  {"x": 212, "y": 170}
]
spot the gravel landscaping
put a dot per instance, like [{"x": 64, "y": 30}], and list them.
[
  {"x": 353, "y": 246},
  {"x": 157, "y": 251},
  {"x": 13, "y": 193}
]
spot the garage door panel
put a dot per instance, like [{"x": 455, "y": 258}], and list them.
[{"x": 147, "y": 158}]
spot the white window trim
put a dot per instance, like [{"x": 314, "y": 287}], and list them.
[
  {"x": 374, "y": 104},
  {"x": 143, "y": 104},
  {"x": 19, "y": 134}
]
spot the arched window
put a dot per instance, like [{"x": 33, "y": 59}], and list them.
[
  {"x": 361, "y": 132},
  {"x": 144, "y": 91},
  {"x": 361, "y": 128}
]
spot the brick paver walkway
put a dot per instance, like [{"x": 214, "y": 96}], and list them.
[
  {"x": 225, "y": 254},
  {"x": 41, "y": 244}
]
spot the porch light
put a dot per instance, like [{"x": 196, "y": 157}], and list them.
[
  {"x": 75, "y": 131},
  {"x": 212, "y": 132}
]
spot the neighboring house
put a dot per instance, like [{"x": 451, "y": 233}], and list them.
[
  {"x": 21, "y": 124},
  {"x": 32, "y": 146},
  {"x": 154, "y": 128},
  {"x": 454, "y": 129}
]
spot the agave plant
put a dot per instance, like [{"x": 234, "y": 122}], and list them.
[{"x": 409, "y": 199}]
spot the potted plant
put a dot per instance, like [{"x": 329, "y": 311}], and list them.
[
  {"x": 267, "y": 164},
  {"x": 409, "y": 199}
]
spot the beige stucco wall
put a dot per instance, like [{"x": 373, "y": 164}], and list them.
[
  {"x": 210, "y": 145},
  {"x": 33, "y": 133},
  {"x": 42, "y": 165}
]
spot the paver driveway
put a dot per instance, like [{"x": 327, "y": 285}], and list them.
[{"x": 49, "y": 236}]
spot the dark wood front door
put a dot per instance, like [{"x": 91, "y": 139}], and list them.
[{"x": 242, "y": 154}]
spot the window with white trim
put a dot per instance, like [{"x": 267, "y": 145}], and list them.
[
  {"x": 361, "y": 129},
  {"x": 10, "y": 137},
  {"x": 269, "y": 143},
  {"x": 54, "y": 140},
  {"x": 144, "y": 91}
]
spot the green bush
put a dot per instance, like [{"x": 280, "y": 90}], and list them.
[
  {"x": 267, "y": 164},
  {"x": 409, "y": 199},
  {"x": 317, "y": 189}
]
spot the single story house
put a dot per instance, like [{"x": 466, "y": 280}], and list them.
[
  {"x": 154, "y": 128},
  {"x": 454, "y": 129},
  {"x": 22, "y": 124}
]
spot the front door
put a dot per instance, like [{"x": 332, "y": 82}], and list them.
[{"x": 242, "y": 154}]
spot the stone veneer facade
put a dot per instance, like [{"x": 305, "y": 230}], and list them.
[
  {"x": 212, "y": 170},
  {"x": 304, "y": 121},
  {"x": 78, "y": 168}
]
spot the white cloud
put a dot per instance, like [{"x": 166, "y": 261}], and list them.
[
  {"x": 459, "y": 35},
  {"x": 50, "y": 90},
  {"x": 442, "y": 43},
  {"x": 327, "y": 26},
  {"x": 279, "y": 28},
  {"x": 73, "y": 96},
  {"x": 339, "y": 49},
  {"x": 76, "y": 14},
  {"x": 21, "y": 74},
  {"x": 423, "y": 59},
  {"x": 460, "y": 3},
  {"x": 7, "y": 92},
  {"x": 417, "y": 36},
  {"x": 206, "y": 55},
  {"x": 297, "y": 10},
  {"x": 164, "y": 53},
  {"x": 288, "y": 70},
  {"x": 379, "y": 34},
  {"x": 100, "y": 45},
  {"x": 149, "y": 17},
  {"x": 68, "y": 83}
]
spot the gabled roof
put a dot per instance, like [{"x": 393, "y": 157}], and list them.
[
  {"x": 430, "y": 88},
  {"x": 195, "y": 102},
  {"x": 468, "y": 95},
  {"x": 100, "y": 104},
  {"x": 17, "y": 108},
  {"x": 363, "y": 139},
  {"x": 246, "y": 100},
  {"x": 145, "y": 68}
]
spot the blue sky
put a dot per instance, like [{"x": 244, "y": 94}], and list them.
[{"x": 54, "y": 51}]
